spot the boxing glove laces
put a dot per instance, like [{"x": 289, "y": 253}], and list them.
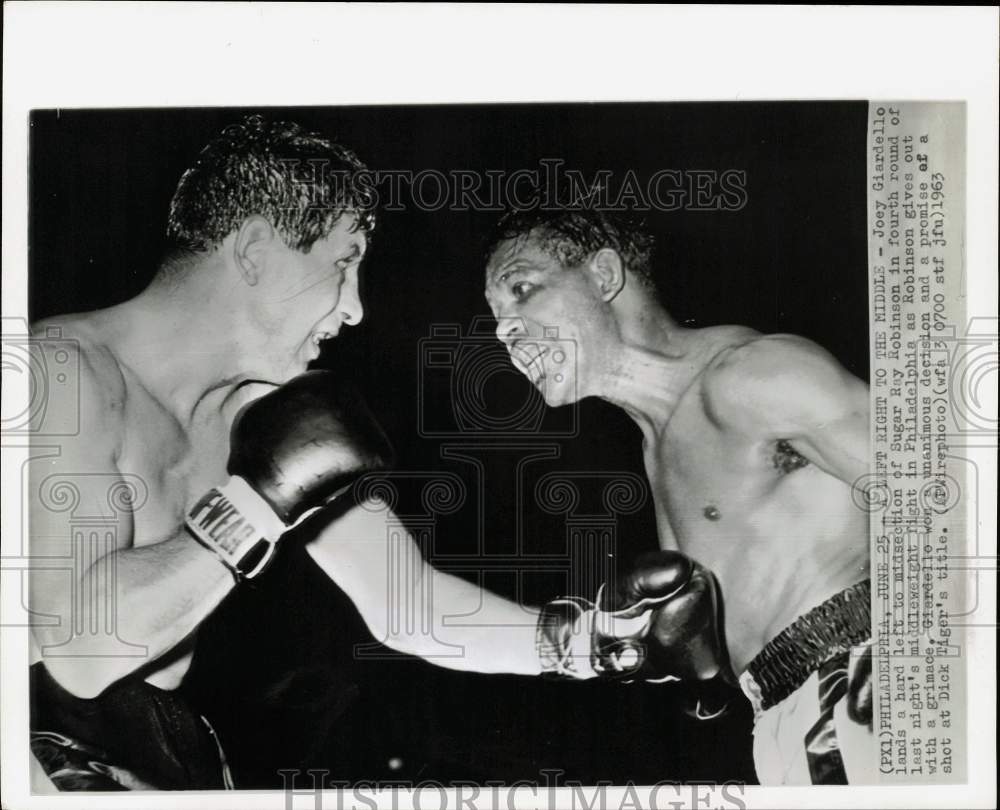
[{"x": 659, "y": 622}]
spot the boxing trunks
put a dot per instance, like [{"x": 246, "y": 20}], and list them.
[
  {"x": 134, "y": 736},
  {"x": 811, "y": 689}
]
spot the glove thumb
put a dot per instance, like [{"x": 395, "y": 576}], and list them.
[{"x": 654, "y": 576}]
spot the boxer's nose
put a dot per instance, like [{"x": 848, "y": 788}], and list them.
[
  {"x": 351, "y": 310},
  {"x": 509, "y": 329}
]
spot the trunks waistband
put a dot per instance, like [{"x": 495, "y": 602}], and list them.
[{"x": 843, "y": 621}]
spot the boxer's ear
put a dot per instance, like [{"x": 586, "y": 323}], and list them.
[
  {"x": 253, "y": 239},
  {"x": 608, "y": 272}
]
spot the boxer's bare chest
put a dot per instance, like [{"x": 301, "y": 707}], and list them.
[
  {"x": 175, "y": 463},
  {"x": 713, "y": 482},
  {"x": 752, "y": 509}
]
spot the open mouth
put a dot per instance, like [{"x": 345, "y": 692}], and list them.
[
  {"x": 317, "y": 339},
  {"x": 527, "y": 358}
]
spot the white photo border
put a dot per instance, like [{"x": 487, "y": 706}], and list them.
[{"x": 119, "y": 54}]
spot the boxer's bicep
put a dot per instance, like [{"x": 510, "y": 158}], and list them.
[{"x": 78, "y": 510}]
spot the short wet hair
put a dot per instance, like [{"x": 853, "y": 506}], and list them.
[
  {"x": 572, "y": 235},
  {"x": 301, "y": 182}
]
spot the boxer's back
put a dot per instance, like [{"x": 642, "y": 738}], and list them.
[{"x": 731, "y": 485}]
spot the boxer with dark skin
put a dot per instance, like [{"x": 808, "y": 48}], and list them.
[{"x": 751, "y": 443}]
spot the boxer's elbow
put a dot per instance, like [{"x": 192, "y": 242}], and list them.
[
  {"x": 406, "y": 643},
  {"x": 80, "y": 663}
]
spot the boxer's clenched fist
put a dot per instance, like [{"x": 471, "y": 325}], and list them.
[
  {"x": 659, "y": 622},
  {"x": 675, "y": 603},
  {"x": 291, "y": 451},
  {"x": 302, "y": 443}
]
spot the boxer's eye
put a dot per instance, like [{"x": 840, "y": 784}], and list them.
[
  {"x": 521, "y": 289},
  {"x": 351, "y": 258}
]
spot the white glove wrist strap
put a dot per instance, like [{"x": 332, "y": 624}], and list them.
[{"x": 238, "y": 525}]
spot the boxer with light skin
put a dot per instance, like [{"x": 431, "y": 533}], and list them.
[
  {"x": 250, "y": 287},
  {"x": 751, "y": 444},
  {"x": 162, "y": 376}
]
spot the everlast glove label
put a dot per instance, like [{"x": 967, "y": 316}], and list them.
[{"x": 217, "y": 522}]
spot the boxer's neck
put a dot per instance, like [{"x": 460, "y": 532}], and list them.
[
  {"x": 642, "y": 365},
  {"x": 182, "y": 341},
  {"x": 647, "y": 381}
]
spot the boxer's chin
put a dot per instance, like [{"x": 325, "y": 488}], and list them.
[{"x": 557, "y": 393}]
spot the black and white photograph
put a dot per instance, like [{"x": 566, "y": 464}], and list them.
[{"x": 498, "y": 453}]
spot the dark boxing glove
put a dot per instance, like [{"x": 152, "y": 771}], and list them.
[
  {"x": 658, "y": 623},
  {"x": 291, "y": 451}
]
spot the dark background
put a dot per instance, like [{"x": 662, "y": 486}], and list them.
[{"x": 277, "y": 670}]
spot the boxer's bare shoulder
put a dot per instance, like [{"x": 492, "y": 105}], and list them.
[
  {"x": 781, "y": 387},
  {"x": 101, "y": 393}
]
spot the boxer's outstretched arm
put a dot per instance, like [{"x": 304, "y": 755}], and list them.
[
  {"x": 412, "y": 608},
  {"x": 93, "y": 582}
]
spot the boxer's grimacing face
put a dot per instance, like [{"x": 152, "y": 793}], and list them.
[
  {"x": 531, "y": 294},
  {"x": 307, "y": 297}
]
